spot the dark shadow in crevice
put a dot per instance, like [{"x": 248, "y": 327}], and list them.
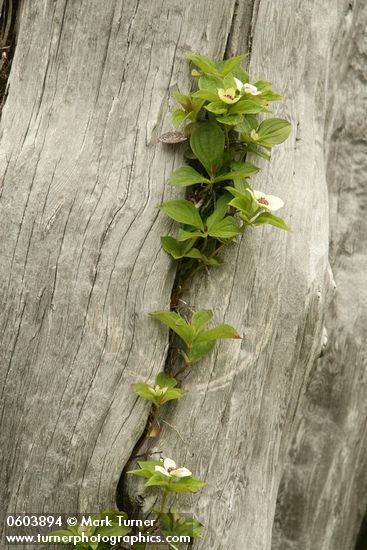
[
  {"x": 362, "y": 535},
  {"x": 8, "y": 36}
]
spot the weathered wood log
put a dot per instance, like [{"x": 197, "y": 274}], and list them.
[
  {"x": 238, "y": 418},
  {"x": 323, "y": 495},
  {"x": 82, "y": 264},
  {"x": 82, "y": 174}
]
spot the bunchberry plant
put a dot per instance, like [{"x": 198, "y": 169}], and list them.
[
  {"x": 103, "y": 532},
  {"x": 222, "y": 126},
  {"x": 170, "y": 479},
  {"x": 223, "y": 121},
  {"x": 198, "y": 342},
  {"x": 163, "y": 391},
  {"x": 173, "y": 524}
]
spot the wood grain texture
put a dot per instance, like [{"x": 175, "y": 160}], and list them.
[
  {"x": 82, "y": 175},
  {"x": 323, "y": 494},
  {"x": 82, "y": 265},
  {"x": 236, "y": 420}
]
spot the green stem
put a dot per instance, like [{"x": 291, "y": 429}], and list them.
[
  {"x": 163, "y": 503},
  {"x": 223, "y": 245},
  {"x": 182, "y": 369},
  {"x": 154, "y": 419},
  {"x": 226, "y": 135}
]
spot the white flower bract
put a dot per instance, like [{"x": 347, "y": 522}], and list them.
[
  {"x": 169, "y": 469},
  {"x": 270, "y": 202},
  {"x": 246, "y": 88}
]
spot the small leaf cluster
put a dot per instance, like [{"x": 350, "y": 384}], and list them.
[
  {"x": 147, "y": 469},
  {"x": 163, "y": 391},
  {"x": 113, "y": 530},
  {"x": 198, "y": 342},
  {"x": 174, "y": 524},
  {"x": 223, "y": 122},
  {"x": 222, "y": 126}
]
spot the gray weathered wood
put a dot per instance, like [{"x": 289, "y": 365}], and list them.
[
  {"x": 323, "y": 495},
  {"x": 238, "y": 416},
  {"x": 82, "y": 175},
  {"x": 81, "y": 259}
]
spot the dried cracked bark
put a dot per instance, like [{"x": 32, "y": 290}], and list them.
[{"x": 82, "y": 174}]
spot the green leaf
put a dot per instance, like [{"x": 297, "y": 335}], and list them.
[
  {"x": 243, "y": 200},
  {"x": 273, "y": 131},
  {"x": 224, "y": 229},
  {"x": 210, "y": 82},
  {"x": 269, "y": 95},
  {"x": 204, "y": 63},
  {"x": 186, "y": 175},
  {"x": 175, "y": 525},
  {"x": 263, "y": 85},
  {"x": 158, "y": 480},
  {"x": 246, "y": 107},
  {"x": 230, "y": 119},
  {"x": 266, "y": 217},
  {"x": 195, "y": 253},
  {"x": 216, "y": 107},
  {"x": 220, "y": 211},
  {"x": 208, "y": 95},
  {"x": 219, "y": 332},
  {"x": 176, "y": 249},
  {"x": 164, "y": 393},
  {"x": 241, "y": 185},
  {"x": 184, "y": 100},
  {"x": 229, "y": 82},
  {"x": 197, "y": 104},
  {"x": 147, "y": 468},
  {"x": 188, "y": 484},
  {"x": 172, "y": 394},
  {"x": 165, "y": 380},
  {"x": 183, "y": 211},
  {"x": 230, "y": 64},
  {"x": 239, "y": 170},
  {"x": 207, "y": 143},
  {"x": 199, "y": 350},
  {"x": 184, "y": 235},
  {"x": 176, "y": 323},
  {"x": 229, "y": 155},
  {"x": 178, "y": 116},
  {"x": 266, "y": 92},
  {"x": 249, "y": 123},
  {"x": 253, "y": 149},
  {"x": 145, "y": 391},
  {"x": 200, "y": 319},
  {"x": 240, "y": 73}
]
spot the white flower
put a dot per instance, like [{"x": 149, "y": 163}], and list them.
[
  {"x": 270, "y": 202},
  {"x": 170, "y": 469},
  {"x": 251, "y": 89},
  {"x": 229, "y": 96},
  {"x": 246, "y": 88}
]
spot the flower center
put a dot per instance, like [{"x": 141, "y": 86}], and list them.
[
  {"x": 169, "y": 470},
  {"x": 228, "y": 96},
  {"x": 262, "y": 200}
]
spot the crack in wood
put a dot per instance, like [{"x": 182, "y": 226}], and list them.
[{"x": 8, "y": 31}]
